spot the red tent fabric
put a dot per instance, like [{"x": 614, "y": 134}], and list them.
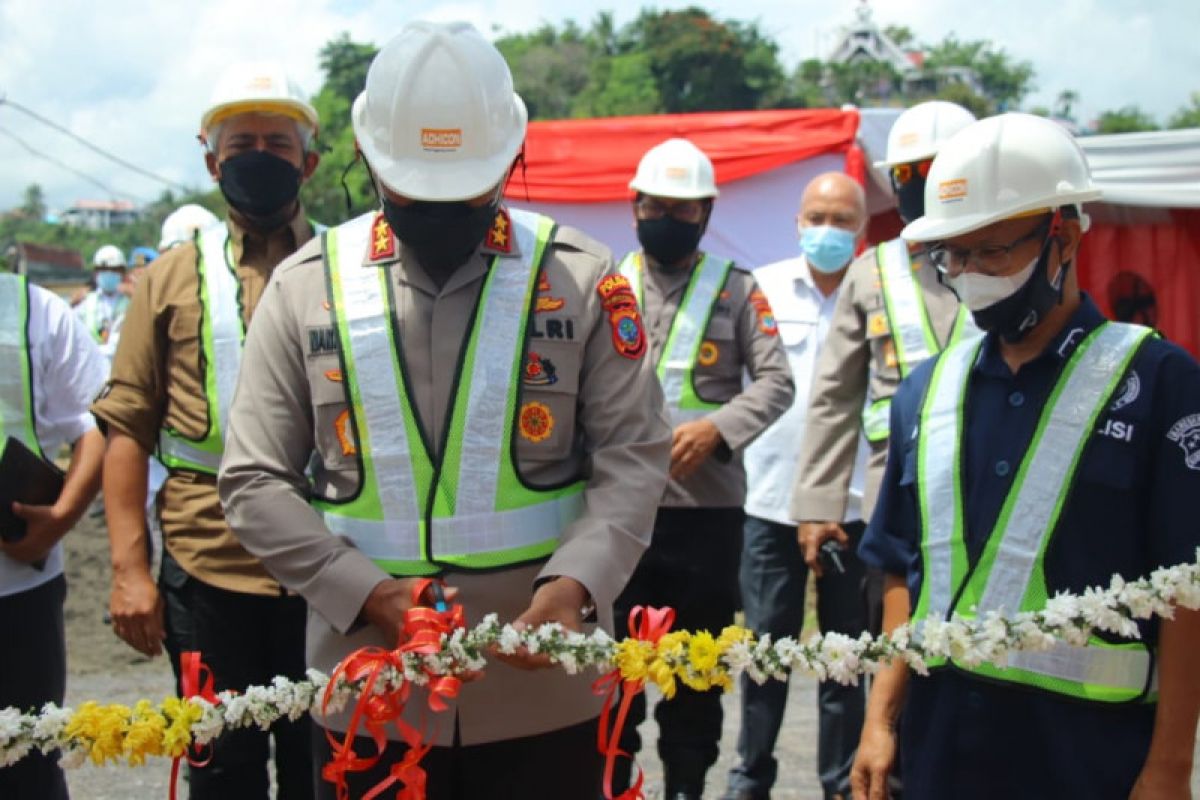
[
  {"x": 1148, "y": 273},
  {"x": 592, "y": 160}
]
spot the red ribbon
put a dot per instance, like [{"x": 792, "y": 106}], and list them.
[
  {"x": 648, "y": 625},
  {"x": 196, "y": 680},
  {"x": 421, "y": 633}
]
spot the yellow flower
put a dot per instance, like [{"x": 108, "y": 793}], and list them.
[
  {"x": 702, "y": 652},
  {"x": 673, "y": 646},
  {"x": 100, "y": 730},
  {"x": 145, "y": 734},
  {"x": 182, "y": 715},
  {"x": 663, "y": 676},
  {"x": 632, "y": 659},
  {"x": 733, "y": 634}
]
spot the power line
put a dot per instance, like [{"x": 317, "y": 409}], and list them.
[
  {"x": 4, "y": 100},
  {"x": 94, "y": 181}
]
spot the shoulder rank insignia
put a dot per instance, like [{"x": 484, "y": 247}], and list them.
[
  {"x": 499, "y": 236},
  {"x": 539, "y": 371},
  {"x": 383, "y": 243},
  {"x": 536, "y": 422}
]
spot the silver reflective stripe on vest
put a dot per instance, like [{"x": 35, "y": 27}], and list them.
[
  {"x": 1124, "y": 668},
  {"x": 505, "y": 530},
  {"x": 383, "y": 437},
  {"x": 904, "y": 305},
  {"x": 676, "y": 367},
  {"x": 224, "y": 319},
  {"x": 1048, "y": 474},
  {"x": 940, "y": 455},
  {"x": 14, "y": 395}
]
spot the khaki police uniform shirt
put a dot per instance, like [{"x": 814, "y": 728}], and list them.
[
  {"x": 158, "y": 380},
  {"x": 741, "y": 339},
  {"x": 857, "y": 365},
  {"x": 608, "y": 427}
]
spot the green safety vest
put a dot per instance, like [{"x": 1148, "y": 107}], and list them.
[
  {"x": 91, "y": 313},
  {"x": 677, "y": 364},
  {"x": 1010, "y": 576},
  {"x": 908, "y": 320},
  {"x": 17, "y": 415},
  {"x": 221, "y": 337},
  {"x": 415, "y": 514}
]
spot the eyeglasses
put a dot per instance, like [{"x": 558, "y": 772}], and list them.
[
  {"x": 988, "y": 259},
  {"x": 682, "y": 210},
  {"x": 903, "y": 173}
]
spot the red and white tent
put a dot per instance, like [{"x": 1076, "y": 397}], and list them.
[{"x": 1141, "y": 259}]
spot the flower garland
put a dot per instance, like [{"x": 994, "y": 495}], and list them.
[{"x": 105, "y": 734}]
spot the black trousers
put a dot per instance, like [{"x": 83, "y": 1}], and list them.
[
  {"x": 33, "y": 672},
  {"x": 691, "y": 566},
  {"x": 773, "y": 579},
  {"x": 559, "y": 765},
  {"x": 246, "y": 640}
]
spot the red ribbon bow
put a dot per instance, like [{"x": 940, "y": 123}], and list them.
[
  {"x": 648, "y": 625},
  {"x": 196, "y": 680},
  {"x": 421, "y": 633}
]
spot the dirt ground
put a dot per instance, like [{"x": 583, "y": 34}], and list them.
[{"x": 103, "y": 668}]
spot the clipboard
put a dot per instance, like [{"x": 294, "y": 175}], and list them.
[{"x": 25, "y": 477}]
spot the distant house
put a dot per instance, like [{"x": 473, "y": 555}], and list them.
[
  {"x": 865, "y": 42},
  {"x": 55, "y": 268},
  {"x": 100, "y": 215}
]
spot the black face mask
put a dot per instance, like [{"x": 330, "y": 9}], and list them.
[
  {"x": 1016, "y": 315},
  {"x": 442, "y": 235},
  {"x": 261, "y": 186},
  {"x": 910, "y": 198},
  {"x": 667, "y": 240}
]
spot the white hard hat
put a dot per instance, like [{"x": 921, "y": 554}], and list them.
[
  {"x": 675, "y": 168},
  {"x": 918, "y": 133},
  {"x": 998, "y": 168},
  {"x": 257, "y": 86},
  {"x": 439, "y": 119},
  {"x": 182, "y": 223},
  {"x": 109, "y": 256}
]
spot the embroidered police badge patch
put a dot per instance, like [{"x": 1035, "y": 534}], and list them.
[
  {"x": 539, "y": 371},
  {"x": 535, "y": 422},
  {"x": 1186, "y": 434}
]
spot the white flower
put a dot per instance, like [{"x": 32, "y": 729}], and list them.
[{"x": 510, "y": 640}]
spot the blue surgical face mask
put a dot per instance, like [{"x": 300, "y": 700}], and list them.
[
  {"x": 828, "y": 249},
  {"x": 108, "y": 282}
]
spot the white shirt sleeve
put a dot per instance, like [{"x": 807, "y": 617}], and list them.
[{"x": 68, "y": 370}]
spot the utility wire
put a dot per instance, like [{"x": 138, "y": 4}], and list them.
[
  {"x": 4, "y": 100},
  {"x": 95, "y": 182}
]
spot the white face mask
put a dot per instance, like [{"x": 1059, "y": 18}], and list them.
[{"x": 978, "y": 291}]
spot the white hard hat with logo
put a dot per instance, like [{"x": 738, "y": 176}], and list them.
[
  {"x": 918, "y": 133},
  {"x": 109, "y": 256},
  {"x": 182, "y": 223},
  {"x": 999, "y": 168},
  {"x": 257, "y": 86},
  {"x": 439, "y": 119},
  {"x": 675, "y": 168}
]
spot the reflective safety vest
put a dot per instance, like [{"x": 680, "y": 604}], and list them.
[
  {"x": 415, "y": 514},
  {"x": 96, "y": 322},
  {"x": 1010, "y": 576},
  {"x": 222, "y": 335},
  {"x": 677, "y": 364},
  {"x": 912, "y": 331},
  {"x": 17, "y": 416}
]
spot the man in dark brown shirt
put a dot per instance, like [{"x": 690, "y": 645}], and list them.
[{"x": 171, "y": 385}]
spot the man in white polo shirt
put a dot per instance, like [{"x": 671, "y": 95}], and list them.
[{"x": 803, "y": 292}]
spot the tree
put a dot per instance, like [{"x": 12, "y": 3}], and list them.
[
  {"x": 550, "y": 68},
  {"x": 1187, "y": 116},
  {"x": 902, "y": 35},
  {"x": 964, "y": 96},
  {"x": 1127, "y": 119},
  {"x": 34, "y": 204},
  {"x": 1064, "y": 104},
  {"x": 1004, "y": 81},
  {"x": 619, "y": 85},
  {"x": 345, "y": 65}
]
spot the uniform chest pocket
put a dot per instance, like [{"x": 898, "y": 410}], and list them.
[
  {"x": 795, "y": 332},
  {"x": 544, "y": 425},
  {"x": 1108, "y": 463},
  {"x": 333, "y": 430}
]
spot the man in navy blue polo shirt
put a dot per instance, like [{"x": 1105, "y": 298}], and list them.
[{"x": 1061, "y": 450}]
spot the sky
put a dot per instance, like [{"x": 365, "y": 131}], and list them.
[{"x": 133, "y": 77}]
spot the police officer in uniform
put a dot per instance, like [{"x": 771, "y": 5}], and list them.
[
  {"x": 50, "y": 369},
  {"x": 709, "y": 325},
  {"x": 891, "y": 315},
  {"x": 1057, "y": 452},
  {"x": 172, "y": 383},
  {"x": 470, "y": 388}
]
